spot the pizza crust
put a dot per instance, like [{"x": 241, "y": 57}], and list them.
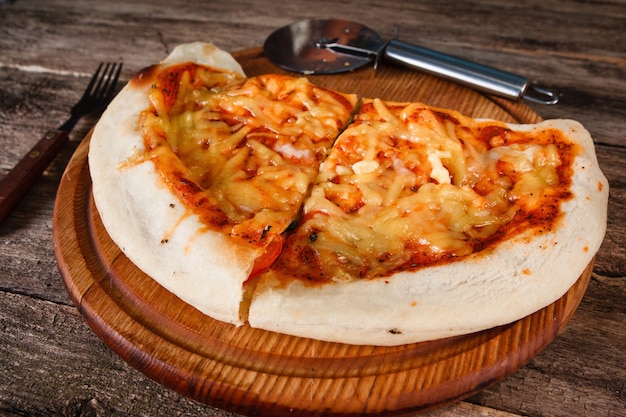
[
  {"x": 151, "y": 227},
  {"x": 487, "y": 289},
  {"x": 207, "y": 270}
]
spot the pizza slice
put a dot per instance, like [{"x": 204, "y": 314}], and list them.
[
  {"x": 198, "y": 170},
  {"x": 424, "y": 223}
]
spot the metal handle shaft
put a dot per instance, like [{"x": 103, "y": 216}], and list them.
[{"x": 478, "y": 76}]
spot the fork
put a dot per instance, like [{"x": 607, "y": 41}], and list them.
[{"x": 20, "y": 179}]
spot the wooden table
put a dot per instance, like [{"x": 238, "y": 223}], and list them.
[{"x": 51, "y": 363}]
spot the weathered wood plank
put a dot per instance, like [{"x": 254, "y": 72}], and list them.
[
  {"x": 611, "y": 260},
  {"x": 520, "y": 37},
  {"x": 52, "y": 364}
]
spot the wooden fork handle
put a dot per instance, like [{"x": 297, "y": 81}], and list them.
[{"x": 22, "y": 177}]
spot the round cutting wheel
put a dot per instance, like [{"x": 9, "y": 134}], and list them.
[{"x": 300, "y": 47}]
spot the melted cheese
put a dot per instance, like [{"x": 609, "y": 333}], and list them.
[
  {"x": 245, "y": 150},
  {"x": 407, "y": 186},
  {"x": 404, "y": 186}
]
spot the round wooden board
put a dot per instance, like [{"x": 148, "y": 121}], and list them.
[{"x": 255, "y": 372}]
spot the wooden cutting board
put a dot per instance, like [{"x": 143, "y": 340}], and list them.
[{"x": 255, "y": 372}]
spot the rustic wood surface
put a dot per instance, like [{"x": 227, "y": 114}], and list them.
[{"x": 51, "y": 363}]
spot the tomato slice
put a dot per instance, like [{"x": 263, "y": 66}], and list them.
[{"x": 263, "y": 262}]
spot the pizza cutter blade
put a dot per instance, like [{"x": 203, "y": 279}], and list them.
[
  {"x": 298, "y": 47},
  {"x": 332, "y": 46}
]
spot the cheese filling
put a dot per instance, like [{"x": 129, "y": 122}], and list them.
[
  {"x": 407, "y": 186},
  {"x": 245, "y": 150},
  {"x": 404, "y": 186}
]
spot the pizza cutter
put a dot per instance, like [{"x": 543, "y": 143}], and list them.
[{"x": 332, "y": 46}]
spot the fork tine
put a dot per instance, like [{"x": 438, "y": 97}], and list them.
[
  {"x": 92, "y": 82},
  {"x": 107, "y": 82},
  {"x": 113, "y": 81},
  {"x": 97, "y": 95},
  {"x": 102, "y": 81}
]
